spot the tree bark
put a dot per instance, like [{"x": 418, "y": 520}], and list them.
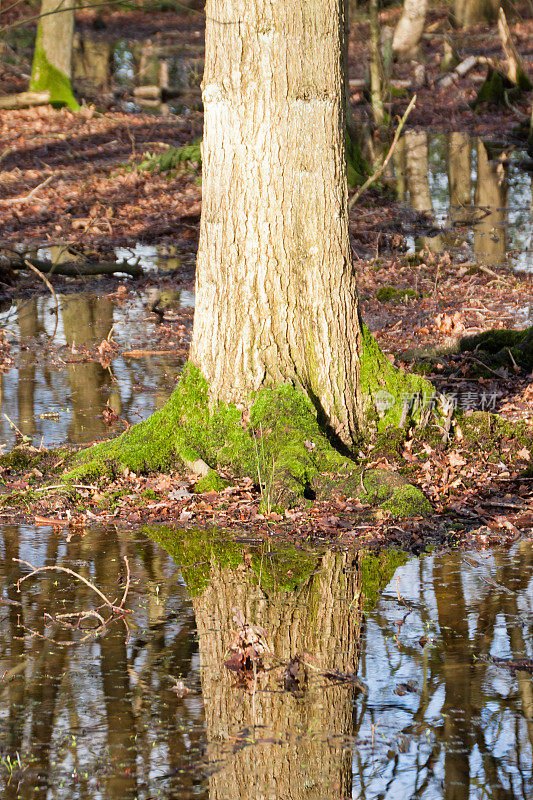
[
  {"x": 409, "y": 29},
  {"x": 52, "y": 58},
  {"x": 275, "y": 287}
]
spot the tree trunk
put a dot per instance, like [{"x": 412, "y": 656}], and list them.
[
  {"x": 409, "y": 29},
  {"x": 376, "y": 66},
  {"x": 472, "y": 12},
  {"x": 52, "y": 59},
  {"x": 275, "y": 287}
]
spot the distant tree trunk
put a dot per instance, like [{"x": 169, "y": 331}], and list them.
[
  {"x": 472, "y": 12},
  {"x": 275, "y": 288},
  {"x": 376, "y": 66},
  {"x": 409, "y": 29},
  {"x": 52, "y": 59}
]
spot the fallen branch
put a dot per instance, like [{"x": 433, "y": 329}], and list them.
[
  {"x": 375, "y": 175},
  {"x": 73, "y": 269},
  {"x": 24, "y": 100},
  {"x": 74, "y": 619},
  {"x": 463, "y": 69}
]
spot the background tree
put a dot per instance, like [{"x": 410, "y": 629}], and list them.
[
  {"x": 409, "y": 29},
  {"x": 52, "y": 59},
  {"x": 472, "y": 12}
]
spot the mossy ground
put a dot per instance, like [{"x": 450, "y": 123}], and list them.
[{"x": 501, "y": 347}]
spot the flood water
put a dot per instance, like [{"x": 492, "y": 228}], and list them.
[
  {"x": 147, "y": 708},
  {"x": 478, "y": 193}
]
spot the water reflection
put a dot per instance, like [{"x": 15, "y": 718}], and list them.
[
  {"x": 477, "y": 191},
  {"x": 163, "y": 77},
  {"x": 97, "y": 720},
  {"x": 153, "y": 712},
  {"x": 63, "y": 399}
]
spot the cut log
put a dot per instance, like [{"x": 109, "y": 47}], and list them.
[
  {"x": 24, "y": 100},
  {"x": 463, "y": 69}
]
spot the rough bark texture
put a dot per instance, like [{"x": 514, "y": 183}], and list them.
[
  {"x": 275, "y": 292},
  {"x": 52, "y": 59},
  {"x": 409, "y": 29},
  {"x": 301, "y": 748}
]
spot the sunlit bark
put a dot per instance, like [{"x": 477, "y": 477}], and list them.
[
  {"x": 275, "y": 286},
  {"x": 409, "y": 29},
  {"x": 52, "y": 58}
]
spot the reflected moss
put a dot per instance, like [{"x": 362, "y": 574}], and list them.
[
  {"x": 377, "y": 570},
  {"x": 197, "y": 552}
]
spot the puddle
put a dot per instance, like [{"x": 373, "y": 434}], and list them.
[
  {"x": 477, "y": 192},
  {"x": 63, "y": 401},
  {"x": 148, "y": 709},
  {"x": 163, "y": 77}
]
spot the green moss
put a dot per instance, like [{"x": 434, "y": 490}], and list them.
[
  {"x": 283, "y": 446},
  {"x": 46, "y": 77},
  {"x": 377, "y": 570},
  {"x": 212, "y": 482},
  {"x": 506, "y": 347},
  {"x": 385, "y": 387},
  {"x": 497, "y": 89},
  {"x": 394, "y": 494},
  {"x": 386, "y": 294},
  {"x": 174, "y": 159},
  {"x": 357, "y": 168},
  {"x": 197, "y": 552}
]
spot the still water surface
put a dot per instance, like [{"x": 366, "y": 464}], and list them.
[{"x": 149, "y": 710}]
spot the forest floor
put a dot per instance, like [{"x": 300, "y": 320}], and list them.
[{"x": 69, "y": 181}]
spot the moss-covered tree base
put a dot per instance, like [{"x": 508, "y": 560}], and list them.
[
  {"x": 498, "y": 90},
  {"x": 282, "y": 445},
  {"x": 46, "y": 77}
]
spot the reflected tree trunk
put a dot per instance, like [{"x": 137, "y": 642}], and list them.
[
  {"x": 459, "y": 170},
  {"x": 29, "y": 328},
  {"x": 87, "y": 320},
  {"x": 490, "y": 233},
  {"x": 416, "y": 143},
  {"x": 458, "y": 677},
  {"x": 321, "y": 622},
  {"x": 121, "y": 723}
]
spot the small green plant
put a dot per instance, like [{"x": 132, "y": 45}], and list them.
[{"x": 174, "y": 159}]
